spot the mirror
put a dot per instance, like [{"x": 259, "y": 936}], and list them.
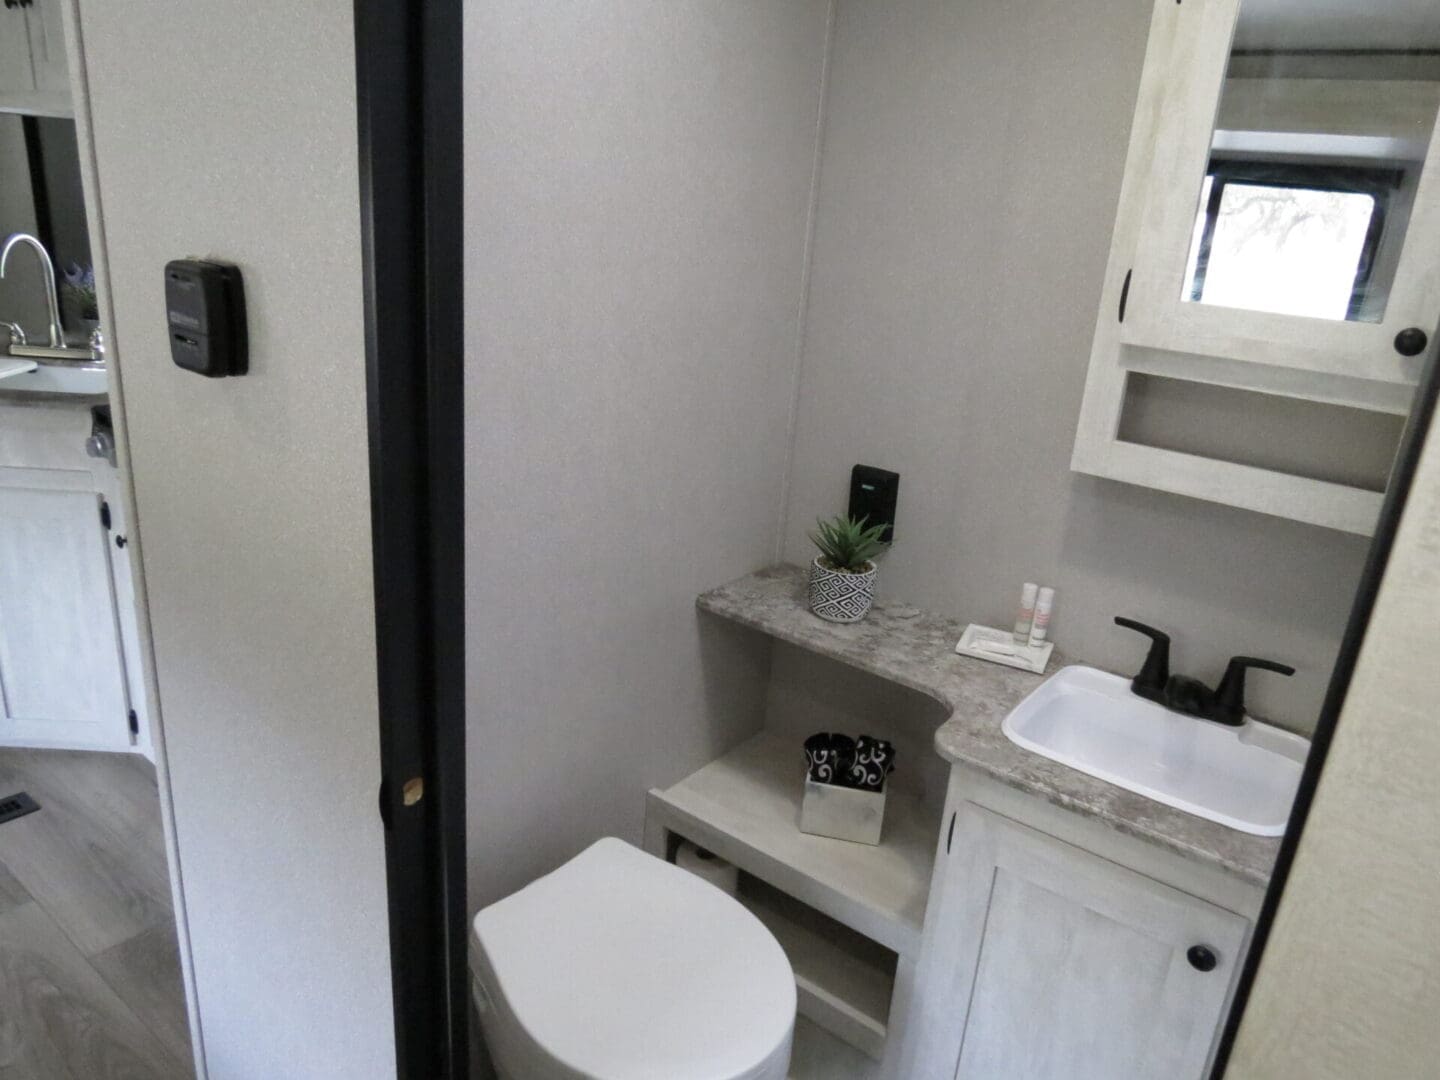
[{"x": 1322, "y": 129}]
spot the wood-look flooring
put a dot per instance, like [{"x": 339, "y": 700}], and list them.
[{"x": 90, "y": 983}]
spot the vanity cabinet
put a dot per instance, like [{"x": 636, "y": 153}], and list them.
[
  {"x": 1018, "y": 920},
  {"x": 1046, "y": 962}
]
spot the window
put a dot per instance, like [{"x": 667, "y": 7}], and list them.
[{"x": 1291, "y": 239}]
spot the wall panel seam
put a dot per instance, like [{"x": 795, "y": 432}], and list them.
[{"x": 802, "y": 312}]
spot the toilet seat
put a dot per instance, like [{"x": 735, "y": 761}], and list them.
[{"x": 620, "y": 966}]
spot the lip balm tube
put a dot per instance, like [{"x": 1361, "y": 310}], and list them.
[
  {"x": 1044, "y": 605},
  {"x": 1026, "y": 614}
]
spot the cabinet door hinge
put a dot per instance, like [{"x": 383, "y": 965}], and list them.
[
  {"x": 104, "y": 514},
  {"x": 134, "y": 724},
  {"x": 1125, "y": 293},
  {"x": 950, "y": 835}
]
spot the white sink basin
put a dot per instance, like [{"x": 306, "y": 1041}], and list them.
[
  {"x": 1244, "y": 777},
  {"x": 10, "y": 366},
  {"x": 42, "y": 378}
]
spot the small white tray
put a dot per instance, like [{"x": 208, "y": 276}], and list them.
[{"x": 1025, "y": 657}]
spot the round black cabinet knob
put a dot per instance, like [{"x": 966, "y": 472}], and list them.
[
  {"x": 1202, "y": 957},
  {"x": 1411, "y": 342}
]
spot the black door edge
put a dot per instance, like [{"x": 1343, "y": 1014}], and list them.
[{"x": 408, "y": 91}]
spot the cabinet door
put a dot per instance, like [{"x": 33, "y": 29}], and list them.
[
  {"x": 47, "y": 48},
  {"x": 16, "y": 74},
  {"x": 61, "y": 677},
  {"x": 1215, "y": 133},
  {"x": 1049, "y": 963}
]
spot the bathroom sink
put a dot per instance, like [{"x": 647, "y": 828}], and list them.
[{"x": 1244, "y": 777}]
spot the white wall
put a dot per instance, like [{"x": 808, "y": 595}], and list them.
[
  {"x": 229, "y": 130},
  {"x": 1350, "y": 981},
  {"x": 638, "y": 180},
  {"x": 971, "y": 166}
]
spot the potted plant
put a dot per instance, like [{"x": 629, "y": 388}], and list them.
[
  {"x": 78, "y": 292},
  {"x": 842, "y": 577}
]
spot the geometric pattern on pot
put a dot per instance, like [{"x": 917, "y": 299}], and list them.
[{"x": 840, "y": 597}]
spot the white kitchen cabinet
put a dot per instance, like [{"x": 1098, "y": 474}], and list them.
[
  {"x": 1043, "y": 961},
  {"x": 47, "y": 49},
  {"x": 16, "y": 75},
  {"x": 62, "y": 676},
  {"x": 34, "y": 73}
]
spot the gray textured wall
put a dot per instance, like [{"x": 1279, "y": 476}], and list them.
[
  {"x": 230, "y": 131},
  {"x": 638, "y": 178},
  {"x": 971, "y": 166}
]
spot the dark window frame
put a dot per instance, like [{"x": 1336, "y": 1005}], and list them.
[{"x": 1379, "y": 183}]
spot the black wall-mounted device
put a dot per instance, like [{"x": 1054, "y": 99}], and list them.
[
  {"x": 872, "y": 496},
  {"x": 205, "y": 312}
]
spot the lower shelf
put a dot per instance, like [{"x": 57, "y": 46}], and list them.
[
  {"x": 843, "y": 980},
  {"x": 745, "y": 807},
  {"x": 818, "y": 1055}
]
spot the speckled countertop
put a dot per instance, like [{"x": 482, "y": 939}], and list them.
[{"x": 918, "y": 651}]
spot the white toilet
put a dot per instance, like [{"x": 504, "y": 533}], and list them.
[{"x": 620, "y": 966}]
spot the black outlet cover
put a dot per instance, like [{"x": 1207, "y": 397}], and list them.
[
  {"x": 205, "y": 316},
  {"x": 16, "y": 806},
  {"x": 873, "y": 493}
]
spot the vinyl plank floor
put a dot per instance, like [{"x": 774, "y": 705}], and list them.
[
  {"x": 62, "y": 1017},
  {"x": 119, "y": 792},
  {"x": 145, "y": 971},
  {"x": 96, "y": 880},
  {"x": 90, "y": 985},
  {"x": 12, "y": 893}
]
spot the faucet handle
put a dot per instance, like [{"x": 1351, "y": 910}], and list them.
[
  {"x": 1151, "y": 681},
  {"x": 1230, "y": 694}
]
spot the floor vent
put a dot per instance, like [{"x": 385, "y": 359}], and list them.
[{"x": 16, "y": 806}]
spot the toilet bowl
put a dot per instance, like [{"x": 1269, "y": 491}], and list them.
[{"x": 620, "y": 966}]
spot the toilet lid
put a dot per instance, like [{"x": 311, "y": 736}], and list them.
[{"x": 620, "y": 965}]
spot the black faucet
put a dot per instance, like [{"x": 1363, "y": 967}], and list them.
[{"x": 1225, "y": 704}]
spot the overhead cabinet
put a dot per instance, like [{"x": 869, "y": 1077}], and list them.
[
  {"x": 1275, "y": 240},
  {"x": 34, "y": 74}
]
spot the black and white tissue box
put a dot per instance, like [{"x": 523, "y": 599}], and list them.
[{"x": 845, "y": 787}]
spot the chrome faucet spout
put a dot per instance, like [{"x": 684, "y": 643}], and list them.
[{"x": 52, "y": 300}]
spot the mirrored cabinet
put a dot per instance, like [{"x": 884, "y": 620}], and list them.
[{"x": 1273, "y": 289}]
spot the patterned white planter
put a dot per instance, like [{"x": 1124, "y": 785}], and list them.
[{"x": 838, "y": 596}]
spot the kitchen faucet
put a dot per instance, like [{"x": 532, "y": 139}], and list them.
[{"x": 57, "y": 339}]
